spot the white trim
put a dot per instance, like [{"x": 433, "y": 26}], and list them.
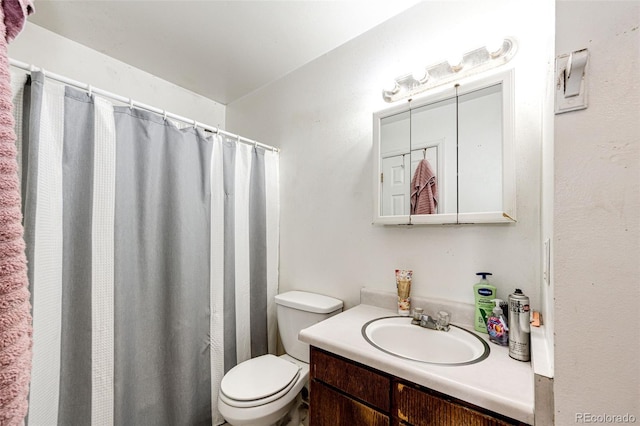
[
  {"x": 47, "y": 266},
  {"x": 18, "y": 79},
  {"x": 216, "y": 293},
  {"x": 102, "y": 264},
  {"x": 271, "y": 163},
  {"x": 541, "y": 353},
  {"x": 243, "y": 265},
  {"x": 485, "y": 217}
]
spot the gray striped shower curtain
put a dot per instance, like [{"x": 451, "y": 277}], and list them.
[{"x": 153, "y": 255}]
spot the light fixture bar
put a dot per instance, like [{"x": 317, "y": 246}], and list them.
[{"x": 472, "y": 62}]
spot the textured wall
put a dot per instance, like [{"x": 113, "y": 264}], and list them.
[{"x": 596, "y": 220}]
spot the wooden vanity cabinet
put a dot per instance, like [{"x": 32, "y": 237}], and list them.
[{"x": 344, "y": 392}]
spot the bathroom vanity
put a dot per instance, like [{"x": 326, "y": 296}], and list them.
[
  {"x": 353, "y": 382},
  {"x": 346, "y": 392}
]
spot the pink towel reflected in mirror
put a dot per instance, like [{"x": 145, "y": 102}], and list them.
[{"x": 424, "y": 190}]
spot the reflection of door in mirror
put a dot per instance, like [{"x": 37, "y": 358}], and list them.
[
  {"x": 433, "y": 137},
  {"x": 395, "y": 186},
  {"x": 394, "y": 151},
  {"x": 480, "y": 150}
]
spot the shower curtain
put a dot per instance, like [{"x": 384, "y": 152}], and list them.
[{"x": 153, "y": 260}]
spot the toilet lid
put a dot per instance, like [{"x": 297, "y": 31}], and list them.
[{"x": 258, "y": 378}]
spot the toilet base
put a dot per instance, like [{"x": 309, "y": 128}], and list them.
[
  {"x": 297, "y": 416},
  {"x": 273, "y": 413},
  {"x": 284, "y": 416}
]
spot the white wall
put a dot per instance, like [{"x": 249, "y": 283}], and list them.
[
  {"x": 43, "y": 48},
  {"x": 597, "y": 217},
  {"x": 321, "y": 117}
]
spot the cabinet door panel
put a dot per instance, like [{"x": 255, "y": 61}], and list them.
[
  {"x": 330, "y": 408},
  {"x": 433, "y": 127},
  {"x": 362, "y": 383},
  {"x": 480, "y": 145},
  {"x": 420, "y": 408},
  {"x": 394, "y": 152}
]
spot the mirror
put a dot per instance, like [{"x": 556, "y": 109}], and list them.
[{"x": 447, "y": 157}]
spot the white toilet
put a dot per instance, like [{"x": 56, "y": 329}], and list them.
[{"x": 261, "y": 391}]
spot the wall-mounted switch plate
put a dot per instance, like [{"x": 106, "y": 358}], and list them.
[{"x": 571, "y": 81}]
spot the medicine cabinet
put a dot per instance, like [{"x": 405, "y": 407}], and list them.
[{"x": 465, "y": 134}]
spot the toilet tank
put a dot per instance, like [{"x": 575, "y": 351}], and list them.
[{"x": 297, "y": 310}]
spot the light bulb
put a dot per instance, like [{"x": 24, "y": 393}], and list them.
[
  {"x": 390, "y": 86},
  {"x": 419, "y": 74},
  {"x": 454, "y": 60},
  {"x": 495, "y": 44}
]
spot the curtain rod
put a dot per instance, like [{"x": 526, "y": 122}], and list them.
[{"x": 140, "y": 105}]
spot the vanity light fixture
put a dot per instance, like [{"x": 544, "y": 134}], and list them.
[{"x": 472, "y": 62}]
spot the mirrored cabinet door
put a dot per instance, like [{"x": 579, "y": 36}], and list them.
[
  {"x": 486, "y": 163},
  {"x": 480, "y": 150},
  {"x": 433, "y": 159}
]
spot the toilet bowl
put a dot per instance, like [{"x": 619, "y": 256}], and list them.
[
  {"x": 263, "y": 390},
  {"x": 265, "y": 399}
]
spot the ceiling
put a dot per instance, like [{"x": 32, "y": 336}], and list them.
[{"x": 222, "y": 50}]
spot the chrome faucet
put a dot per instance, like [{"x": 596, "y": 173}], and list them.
[{"x": 427, "y": 321}]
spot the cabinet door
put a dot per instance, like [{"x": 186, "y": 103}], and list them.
[
  {"x": 422, "y": 407},
  {"x": 361, "y": 383},
  {"x": 434, "y": 138},
  {"x": 480, "y": 146},
  {"x": 395, "y": 146},
  {"x": 328, "y": 407}
]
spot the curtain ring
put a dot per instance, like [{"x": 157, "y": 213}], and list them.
[
  {"x": 90, "y": 90},
  {"x": 217, "y": 130},
  {"x": 195, "y": 124},
  {"x": 130, "y": 103},
  {"x": 164, "y": 115}
]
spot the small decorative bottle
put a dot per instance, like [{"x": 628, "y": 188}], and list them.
[
  {"x": 497, "y": 325},
  {"x": 403, "y": 283}
]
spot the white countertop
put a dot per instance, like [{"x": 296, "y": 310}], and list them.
[{"x": 498, "y": 383}]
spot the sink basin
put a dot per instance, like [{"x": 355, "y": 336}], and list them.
[{"x": 398, "y": 337}]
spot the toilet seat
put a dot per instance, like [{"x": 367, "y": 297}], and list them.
[{"x": 258, "y": 381}]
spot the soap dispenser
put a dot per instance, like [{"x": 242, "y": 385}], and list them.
[
  {"x": 497, "y": 325},
  {"x": 483, "y": 294}
]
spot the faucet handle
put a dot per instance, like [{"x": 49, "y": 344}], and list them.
[
  {"x": 443, "y": 321},
  {"x": 417, "y": 314}
]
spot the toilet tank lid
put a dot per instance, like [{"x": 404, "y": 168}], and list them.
[{"x": 309, "y": 302}]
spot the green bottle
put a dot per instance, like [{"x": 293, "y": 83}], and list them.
[{"x": 483, "y": 293}]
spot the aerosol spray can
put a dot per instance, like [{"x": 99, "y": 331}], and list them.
[{"x": 519, "y": 328}]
